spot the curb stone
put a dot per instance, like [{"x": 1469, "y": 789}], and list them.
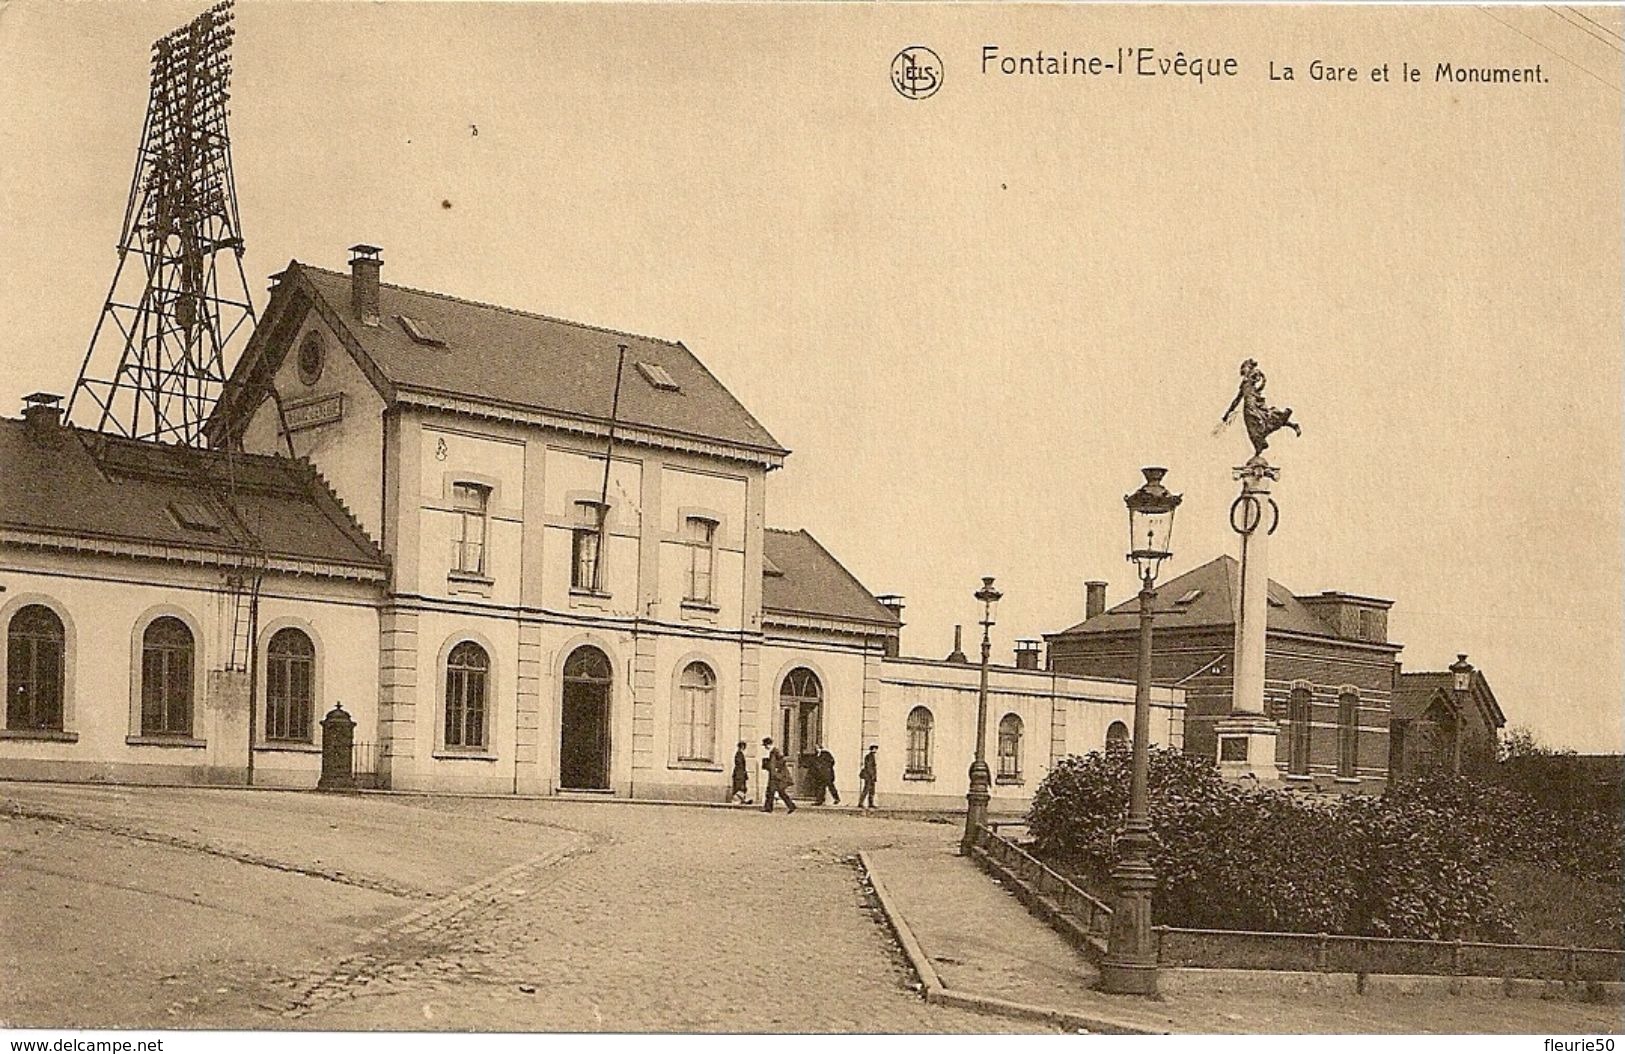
[{"x": 939, "y": 994}]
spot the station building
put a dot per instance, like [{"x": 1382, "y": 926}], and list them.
[{"x": 526, "y": 555}]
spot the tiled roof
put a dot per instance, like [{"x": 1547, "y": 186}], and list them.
[
  {"x": 802, "y": 578},
  {"x": 1416, "y": 691},
  {"x": 76, "y": 484},
  {"x": 506, "y": 357},
  {"x": 1214, "y": 584}
]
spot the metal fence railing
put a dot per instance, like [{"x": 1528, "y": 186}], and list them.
[
  {"x": 1088, "y": 912},
  {"x": 1057, "y": 895},
  {"x": 1333, "y": 953},
  {"x": 364, "y": 759}
]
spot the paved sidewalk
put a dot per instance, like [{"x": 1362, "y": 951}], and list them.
[
  {"x": 978, "y": 936},
  {"x": 982, "y": 941}
]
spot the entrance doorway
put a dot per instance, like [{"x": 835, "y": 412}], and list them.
[
  {"x": 584, "y": 721},
  {"x": 801, "y": 725}
]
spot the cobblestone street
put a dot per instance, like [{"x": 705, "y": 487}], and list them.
[{"x": 197, "y": 908}]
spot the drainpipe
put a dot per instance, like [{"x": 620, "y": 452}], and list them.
[{"x": 253, "y": 670}]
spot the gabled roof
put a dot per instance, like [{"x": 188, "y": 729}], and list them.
[
  {"x": 800, "y": 577},
  {"x": 68, "y": 486},
  {"x": 1214, "y": 586},
  {"x": 503, "y": 357},
  {"x": 1416, "y": 692}
]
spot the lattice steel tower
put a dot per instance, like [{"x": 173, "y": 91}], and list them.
[{"x": 175, "y": 305}]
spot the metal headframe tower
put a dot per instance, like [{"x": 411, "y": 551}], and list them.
[{"x": 179, "y": 297}]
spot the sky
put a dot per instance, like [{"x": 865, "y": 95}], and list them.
[{"x": 974, "y": 317}]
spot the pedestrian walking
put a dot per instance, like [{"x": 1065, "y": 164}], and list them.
[
  {"x": 866, "y": 778},
  {"x": 778, "y": 777},
  {"x": 740, "y": 791},
  {"x": 826, "y": 776}
]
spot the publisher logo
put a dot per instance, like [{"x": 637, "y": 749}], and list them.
[{"x": 916, "y": 72}]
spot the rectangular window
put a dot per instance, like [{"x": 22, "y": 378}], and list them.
[
  {"x": 586, "y": 565},
  {"x": 1010, "y": 756},
  {"x": 1348, "y": 735},
  {"x": 919, "y": 751},
  {"x": 1371, "y": 625},
  {"x": 1299, "y": 712},
  {"x": 166, "y": 692},
  {"x": 700, "y": 535},
  {"x": 472, "y": 502}
]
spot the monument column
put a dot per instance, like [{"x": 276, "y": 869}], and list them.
[{"x": 1247, "y": 735}]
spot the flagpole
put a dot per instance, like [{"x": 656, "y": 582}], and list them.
[{"x": 609, "y": 456}]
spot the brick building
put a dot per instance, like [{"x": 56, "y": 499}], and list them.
[
  {"x": 1444, "y": 721},
  {"x": 1329, "y": 668}
]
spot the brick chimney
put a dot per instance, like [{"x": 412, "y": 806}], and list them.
[
  {"x": 958, "y": 654},
  {"x": 365, "y": 263},
  {"x": 1027, "y": 654},
  {"x": 41, "y": 411},
  {"x": 893, "y": 603},
  {"x": 1094, "y": 601}
]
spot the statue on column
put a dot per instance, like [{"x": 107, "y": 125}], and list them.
[{"x": 1261, "y": 419}]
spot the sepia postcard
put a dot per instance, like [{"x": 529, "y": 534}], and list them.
[{"x": 724, "y": 519}]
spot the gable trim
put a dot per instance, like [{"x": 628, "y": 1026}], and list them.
[{"x": 624, "y": 432}]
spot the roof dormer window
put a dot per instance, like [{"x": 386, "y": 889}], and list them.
[
  {"x": 421, "y": 332},
  {"x": 657, "y": 376},
  {"x": 194, "y": 515}
]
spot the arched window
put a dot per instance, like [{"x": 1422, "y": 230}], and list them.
[
  {"x": 1297, "y": 716},
  {"x": 467, "y": 672},
  {"x": 695, "y": 720},
  {"x": 167, "y": 653},
  {"x": 1010, "y": 747},
  {"x": 290, "y": 685},
  {"x": 587, "y": 664},
  {"x": 35, "y": 650},
  {"x": 1348, "y": 734},
  {"x": 1116, "y": 736},
  {"x": 920, "y": 724},
  {"x": 801, "y": 686}
]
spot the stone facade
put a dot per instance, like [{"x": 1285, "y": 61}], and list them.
[{"x": 502, "y": 639}]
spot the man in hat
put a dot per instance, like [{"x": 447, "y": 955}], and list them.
[{"x": 778, "y": 777}]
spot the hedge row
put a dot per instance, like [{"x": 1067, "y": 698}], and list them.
[{"x": 1414, "y": 863}]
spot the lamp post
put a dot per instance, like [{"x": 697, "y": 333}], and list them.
[
  {"x": 1130, "y": 965},
  {"x": 981, "y": 777}
]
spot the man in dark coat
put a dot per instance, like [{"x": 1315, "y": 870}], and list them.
[
  {"x": 866, "y": 778},
  {"x": 826, "y": 776},
  {"x": 739, "y": 793},
  {"x": 778, "y": 777}
]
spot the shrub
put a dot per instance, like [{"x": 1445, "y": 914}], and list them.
[
  {"x": 1569, "y": 836},
  {"x": 1233, "y": 857}
]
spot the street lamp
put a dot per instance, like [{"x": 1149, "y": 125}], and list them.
[
  {"x": 981, "y": 777},
  {"x": 1130, "y": 965}
]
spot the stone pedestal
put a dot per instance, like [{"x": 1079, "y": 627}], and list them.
[
  {"x": 1247, "y": 747},
  {"x": 1246, "y": 737}
]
